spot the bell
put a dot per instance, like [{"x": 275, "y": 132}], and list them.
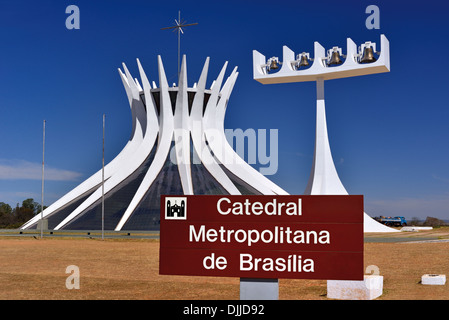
[
  {"x": 274, "y": 65},
  {"x": 304, "y": 62},
  {"x": 368, "y": 55},
  {"x": 335, "y": 58}
]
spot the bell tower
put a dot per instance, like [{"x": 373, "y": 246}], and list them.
[{"x": 333, "y": 64}]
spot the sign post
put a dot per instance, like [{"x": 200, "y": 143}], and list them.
[{"x": 262, "y": 237}]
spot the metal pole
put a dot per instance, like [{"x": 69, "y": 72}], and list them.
[
  {"x": 179, "y": 43},
  {"x": 42, "y": 199},
  {"x": 102, "y": 186},
  {"x": 179, "y": 25}
]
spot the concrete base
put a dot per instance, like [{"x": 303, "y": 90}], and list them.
[
  {"x": 369, "y": 288},
  {"x": 433, "y": 279},
  {"x": 259, "y": 289},
  {"x": 44, "y": 223}
]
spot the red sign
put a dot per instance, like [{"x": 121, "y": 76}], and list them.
[{"x": 300, "y": 237}]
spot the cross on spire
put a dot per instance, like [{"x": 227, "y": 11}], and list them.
[{"x": 179, "y": 24}]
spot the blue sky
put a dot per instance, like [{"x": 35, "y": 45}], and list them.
[{"x": 389, "y": 133}]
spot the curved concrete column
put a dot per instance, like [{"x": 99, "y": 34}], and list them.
[
  {"x": 94, "y": 181},
  {"x": 146, "y": 138},
  {"x": 156, "y": 127},
  {"x": 226, "y": 154},
  {"x": 166, "y": 128},
  {"x": 324, "y": 178}
]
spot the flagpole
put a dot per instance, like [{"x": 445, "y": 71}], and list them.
[
  {"x": 102, "y": 187},
  {"x": 179, "y": 44},
  {"x": 42, "y": 199}
]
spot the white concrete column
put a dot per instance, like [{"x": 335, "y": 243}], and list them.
[{"x": 324, "y": 177}]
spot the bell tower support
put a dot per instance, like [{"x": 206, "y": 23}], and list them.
[{"x": 324, "y": 179}]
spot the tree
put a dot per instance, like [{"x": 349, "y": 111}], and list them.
[
  {"x": 31, "y": 205},
  {"x": 434, "y": 222},
  {"x": 5, "y": 215},
  {"x": 22, "y": 215},
  {"x": 14, "y": 218},
  {"x": 414, "y": 222},
  {"x": 5, "y": 208}
]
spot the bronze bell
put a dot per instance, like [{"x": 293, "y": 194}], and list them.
[
  {"x": 335, "y": 58},
  {"x": 368, "y": 55},
  {"x": 304, "y": 62},
  {"x": 274, "y": 64}
]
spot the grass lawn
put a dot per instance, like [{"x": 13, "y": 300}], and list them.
[{"x": 128, "y": 269}]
